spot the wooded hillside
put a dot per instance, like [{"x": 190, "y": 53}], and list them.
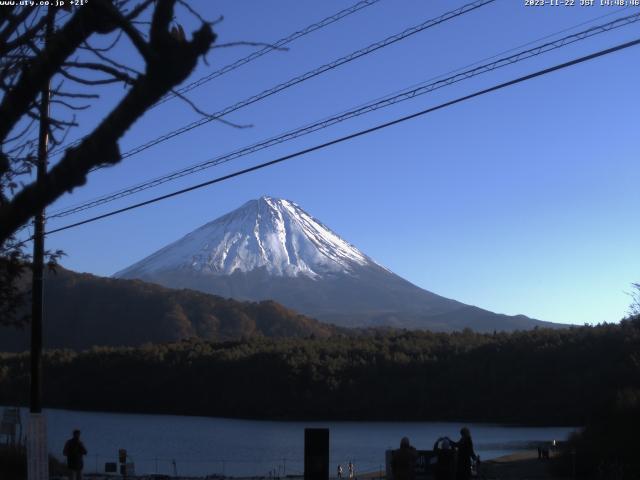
[
  {"x": 84, "y": 310},
  {"x": 539, "y": 376}
]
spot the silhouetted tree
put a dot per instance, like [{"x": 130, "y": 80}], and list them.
[
  {"x": 634, "y": 308},
  {"x": 72, "y": 56}
]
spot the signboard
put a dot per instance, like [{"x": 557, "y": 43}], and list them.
[{"x": 316, "y": 454}]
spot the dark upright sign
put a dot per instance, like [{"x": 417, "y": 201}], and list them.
[{"x": 316, "y": 454}]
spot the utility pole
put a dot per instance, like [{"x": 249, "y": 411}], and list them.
[{"x": 37, "y": 452}]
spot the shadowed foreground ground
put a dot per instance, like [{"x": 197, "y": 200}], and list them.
[{"x": 518, "y": 466}]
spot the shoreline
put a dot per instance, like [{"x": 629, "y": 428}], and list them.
[
  {"x": 306, "y": 419},
  {"x": 206, "y": 446},
  {"x": 523, "y": 465}
]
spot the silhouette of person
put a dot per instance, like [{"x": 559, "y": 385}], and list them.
[
  {"x": 465, "y": 454},
  {"x": 340, "y": 470},
  {"x": 446, "y": 466},
  {"x": 74, "y": 450},
  {"x": 351, "y": 470},
  {"x": 403, "y": 461}
]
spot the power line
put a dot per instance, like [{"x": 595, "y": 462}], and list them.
[
  {"x": 504, "y": 52},
  {"x": 360, "y": 133},
  {"x": 269, "y": 48},
  {"x": 252, "y": 56},
  {"x": 309, "y": 75},
  {"x": 364, "y": 109}
]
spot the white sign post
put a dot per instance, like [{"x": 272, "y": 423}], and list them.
[{"x": 37, "y": 452}]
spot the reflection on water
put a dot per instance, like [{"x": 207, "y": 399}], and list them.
[{"x": 202, "y": 445}]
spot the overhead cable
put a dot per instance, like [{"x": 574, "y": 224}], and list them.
[
  {"x": 362, "y": 110},
  {"x": 277, "y": 45},
  {"x": 308, "y": 75},
  {"x": 352, "y": 136}
]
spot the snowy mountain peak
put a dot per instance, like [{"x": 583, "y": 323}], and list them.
[{"x": 269, "y": 233}]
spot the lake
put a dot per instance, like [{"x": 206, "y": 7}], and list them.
[{"x": 203, "y": 445}]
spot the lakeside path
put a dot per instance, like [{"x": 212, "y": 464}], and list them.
[
  {"x": 523, "y": 465},
  {"x": 518, "y": 466}
]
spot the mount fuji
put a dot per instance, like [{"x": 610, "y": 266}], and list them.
[{"x": 272, "y": 249}]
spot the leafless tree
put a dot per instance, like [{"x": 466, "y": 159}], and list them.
[
  {"x": 634, "y": 308},
  {"x": 78, "y": 60}
]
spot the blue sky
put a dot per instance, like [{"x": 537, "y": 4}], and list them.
[{"x": 521, "y": 201}]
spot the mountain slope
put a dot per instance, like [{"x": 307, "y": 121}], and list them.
[
  {"x": 276, "y": 235},
  {"x": 83, "y": 310},
  {"x": 272, "y": 249}
]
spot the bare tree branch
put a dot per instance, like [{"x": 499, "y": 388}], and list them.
[
  {"x": 110, "y": 61},
  {"x": 170, "y": 63},
  {"x": 250, "y": 44},
  {"x": 62, "y": 44},
  {"x": 58, "y": 93},
  {"x": 207, "y": 115},
  {"x": 13, "y": 24},
  {"x": 27, "y": 63},
  {"x": 28, "y": 36},
  {"x": 102, "y": 49},
  {"x": 70, "y": 106},
  {"x": 22, "y": 132},
  {"x": 131, "y": 32},
  {"x": 115, "y": 73}
]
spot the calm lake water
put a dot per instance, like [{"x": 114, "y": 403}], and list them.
[{"x": 203, "y": 445}]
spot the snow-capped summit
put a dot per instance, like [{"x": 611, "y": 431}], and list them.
[
  {"x": 271, "y": 249},
  {"x": 269, "y": 233}
]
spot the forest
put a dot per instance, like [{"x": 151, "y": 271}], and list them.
[
  {"x": 85, "y": 310},
  {"x": 541, "y": 376}
]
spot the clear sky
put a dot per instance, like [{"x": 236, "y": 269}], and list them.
[{"x": 521, "y": 201}]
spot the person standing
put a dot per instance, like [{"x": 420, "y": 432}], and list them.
[
  {"x": 446, "y": 466},
  {"x": 351, "y": 470},
  {"x": 403, "y": 461},
  {"x": 465, "y": 454},
  {"x": 74, "y": 450},
  {"x": 340, "y": 470}
]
